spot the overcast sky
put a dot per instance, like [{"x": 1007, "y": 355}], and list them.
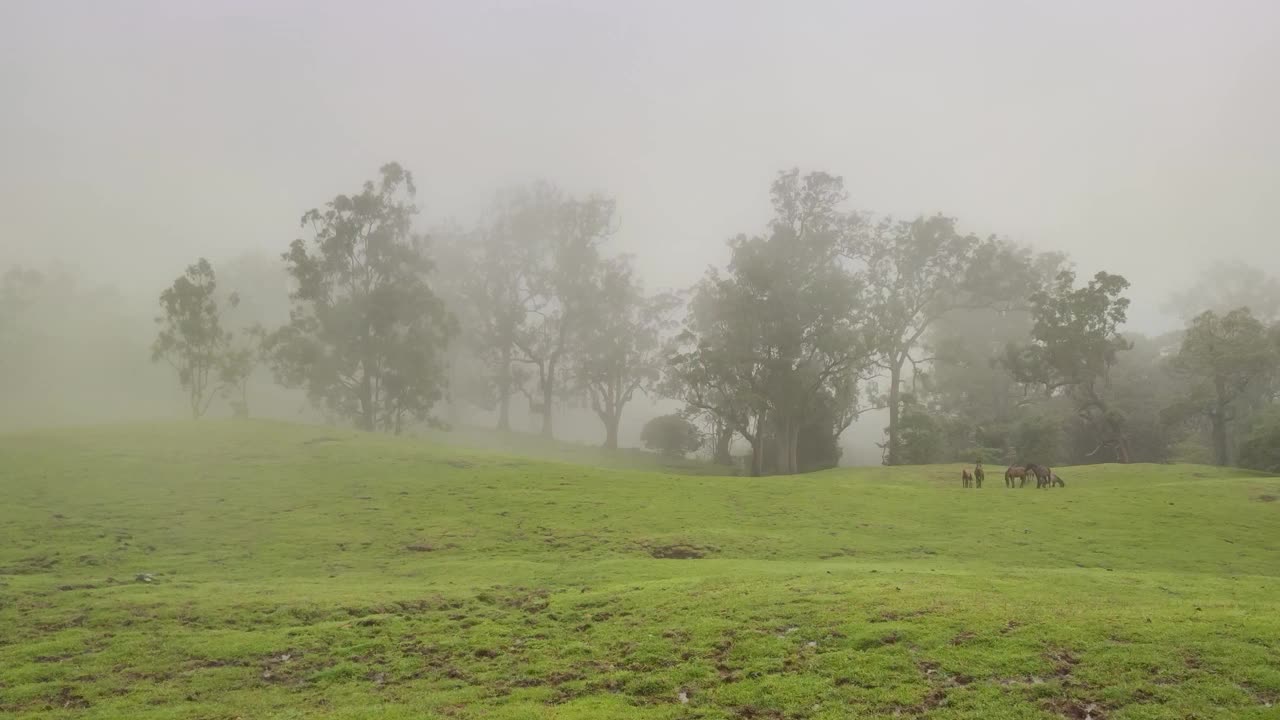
[{"x": 1141, "y": 137}]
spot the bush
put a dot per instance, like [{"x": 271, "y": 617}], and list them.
[
  {"x": 1261, "y": 449},
  {"x": 671, "y": 435},
  {"x": 986, "y": 456},
  {"x": 1192, "y": 452},
  {"x": 1038, "y": 440}
]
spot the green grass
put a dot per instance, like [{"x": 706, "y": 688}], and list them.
[
  {"x": 306, "y": 572},
  {"x": 533, "y": 446}
]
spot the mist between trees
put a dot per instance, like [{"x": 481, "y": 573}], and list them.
[{"x": 973, "y": 348}]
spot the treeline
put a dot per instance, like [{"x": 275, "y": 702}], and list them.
[{"x": 974, "y": 347}]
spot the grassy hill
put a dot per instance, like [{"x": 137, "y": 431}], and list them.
[{"x": 256, "y": 570}]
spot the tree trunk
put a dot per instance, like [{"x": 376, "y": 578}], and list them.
[
  {"x": 504, "y": 391},
  {"x": 757, "y": 447},
  {"x": 793, "y": 442},
  {"x": 724, "y": 437},
  {"x": 611, "y": 432},
  {"x": 895, "y": 377},
  {"x": 548, "y": 389},
  {"x": 1122, "y": 451},
  {"x": 782, "y": 437},
  {"x": 367, "y": 416},
  {"x": 1219, "y": 429},
  {"x": 757, "y": 458}
]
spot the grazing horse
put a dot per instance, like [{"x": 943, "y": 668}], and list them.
[
  {"x": 1015, "y": 472},
  {"x": 1055, "y": 480},
  {"x": 978, "y": 474},
  {"x": 966, "y": 480},
  {"x": 1041, "y": 474}
]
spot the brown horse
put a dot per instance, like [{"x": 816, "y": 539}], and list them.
[
  {"x": 1055, "y": 480},
  {"x": 978, "y": 474},
  {"x": 1041, "y": 474},
  {"x": 1015, "y": 472},
  {"x": 966, "y": 480}
]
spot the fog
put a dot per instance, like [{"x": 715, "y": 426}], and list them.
[{"x": 1136, "y": 137}]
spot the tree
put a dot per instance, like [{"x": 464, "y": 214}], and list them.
[
  {"x": 915, "y": 273},
  {"x": 671, "y": 435},
  {"x": 367, "y": 334},
  {"x": 786, "y": 327},
  {"x": 192, "y": 339},
  {"x": 1037, "y": 439},
  {"x": 714, "y": 367},
  {"x": 561, "y": 263},
  {"x": 1226, "y": 360},
  {"x": 18, "y": 288},
  {"x": 1075, "y": 340},
  {"x": 491, "y": 275},
  {"x": 1226, "y": 286},
  {"x": 238, "y": 363},
  {"x": 967, "y": 375},
  {"x": 620, "y": 347},
  {"x": 1140, "y": 388}
]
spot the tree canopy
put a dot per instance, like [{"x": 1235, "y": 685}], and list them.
[{"x": 366, "y": 334}]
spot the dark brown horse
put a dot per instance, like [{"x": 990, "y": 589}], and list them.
[
  {"x": 966, "y": 480},
  {"x": 1041, "y": 473},
  {"x": 1015, "y": 472},
  {"x": 978, "y": 474}
]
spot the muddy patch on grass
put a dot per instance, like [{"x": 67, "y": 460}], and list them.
[
  {"x": 1010, "y": 627},
  {"x": 1266, "y": 498},
  {"x": 842, "y": 552},
  {"x": 67, "y": 699},
  {"x": 934, "y": 699},
  {"x": 1075, "y": 709},
  {"x": 1063, "y": 661},
  {"x": 679, "y": 551},
  {"x": 896, "y": 615},
  {"x": 963, "y": 638},
  {"x": 30, "y": 566},
  {"x": 528, "y": 600},
  {"x": 77, "y": 586},
  {"x": 751, "y": 712},
  {"x": 1265, "y": 697},
  {"x": 720, "y": 657}
]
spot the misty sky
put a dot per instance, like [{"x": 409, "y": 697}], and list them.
[{"x": 1138, "y": 136}]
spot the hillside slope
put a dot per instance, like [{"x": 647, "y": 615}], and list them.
[{"x": 252, "y": 570}]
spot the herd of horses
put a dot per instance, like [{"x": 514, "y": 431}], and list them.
[{"x": 1015, "y": 476}]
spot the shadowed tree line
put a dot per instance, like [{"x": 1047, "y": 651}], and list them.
[{"x": 975, "y": 347}]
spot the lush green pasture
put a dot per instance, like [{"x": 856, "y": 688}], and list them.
[{"x": 302, "y": 572}]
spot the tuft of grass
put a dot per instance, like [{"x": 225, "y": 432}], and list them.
[{"x": 265, "y": 570}]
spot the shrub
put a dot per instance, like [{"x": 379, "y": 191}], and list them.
[
  {"x": 1261, "y": 449},
  {"x": 671, "y": 435}
]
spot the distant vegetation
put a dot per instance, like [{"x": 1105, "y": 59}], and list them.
[{"x": 976, "y": 347}]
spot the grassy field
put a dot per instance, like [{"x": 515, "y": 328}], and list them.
[{"x": 255, "y": 570}]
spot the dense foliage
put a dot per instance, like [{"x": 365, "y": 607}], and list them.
[{"x": 671, "y": 435}]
